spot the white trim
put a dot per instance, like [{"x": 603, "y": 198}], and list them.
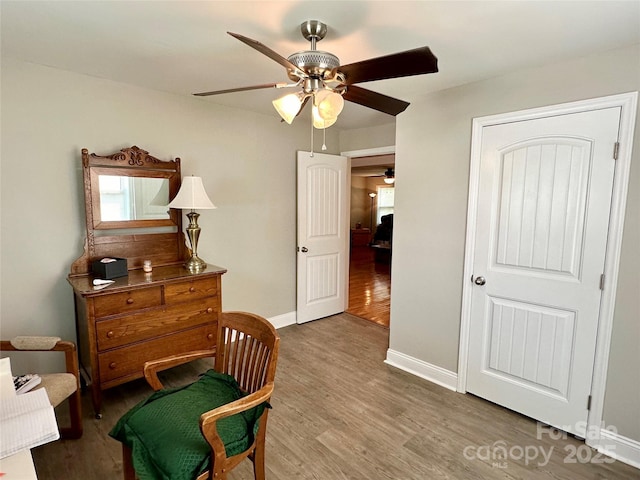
[
  {"x": 370, "y": 152},
  {"x": 469, "y": 254},
  {"x": 628, "y": 103},
  {"x": 414, "y": 366},
  {"x": 621, "y": 448},
  {"x": 284, "y": 320}
]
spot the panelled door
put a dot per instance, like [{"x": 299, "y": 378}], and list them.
[
  {"x": 544, "y": 196},
  {"x": 323, "y": 241}
]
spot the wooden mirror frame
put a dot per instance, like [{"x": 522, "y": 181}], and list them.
[
  {"x": 133, "y": 242},
  {"x": 129, "y": 162}
]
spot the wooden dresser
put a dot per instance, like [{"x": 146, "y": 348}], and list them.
[
  {"x": 140, "y": 316},
  {"x": 143, "y": 317}
]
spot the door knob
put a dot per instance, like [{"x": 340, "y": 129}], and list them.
[
  {"x": 480, "y": 281},
  {"x": 304, "y": 249}
]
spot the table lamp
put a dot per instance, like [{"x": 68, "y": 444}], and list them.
[{"x": 192, "y": 196}]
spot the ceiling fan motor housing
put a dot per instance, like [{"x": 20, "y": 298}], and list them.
[{"x": 314, "y": 62}]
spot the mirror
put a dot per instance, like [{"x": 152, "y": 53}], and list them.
[
  {"x": 133, "y": 198},
  {"x": 130, "y": 189}
]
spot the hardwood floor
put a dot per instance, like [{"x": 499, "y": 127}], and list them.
[
  {"x": 339, "y": 412},
  {"x": 369, "y": 286}
]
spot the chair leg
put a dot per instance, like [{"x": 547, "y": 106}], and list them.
[
  {"x": 74, "y": 431},
  {"x": 219, "y": 474},
  {"x": 258, "y": 461},
  {"x": 75, "y": 410},
  {"x": 257, "y": 457},
  {"x": 127, "y": 464}
]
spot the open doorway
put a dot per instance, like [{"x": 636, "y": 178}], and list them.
[{"x": 371, "y": 218}]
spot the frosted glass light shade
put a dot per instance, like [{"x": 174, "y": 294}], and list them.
[
  {"x": 288, "y": 106},
  {"x": 329, "y": 104},
  {"x": 192, "y": 195},
  {"x": 319, "y": 122}
]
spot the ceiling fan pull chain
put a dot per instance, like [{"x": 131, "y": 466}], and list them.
[
  {"x": 324, "y": 138},
  {"x": 311, "y": 151}
]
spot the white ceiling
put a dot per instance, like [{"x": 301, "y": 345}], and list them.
[{"x": 182, "y": 46}]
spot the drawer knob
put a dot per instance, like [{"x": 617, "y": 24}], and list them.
[
  {"x": 110, "y": 334},
  {"x": 112, "y": 365},
  {"x": 209, "y": 310},
  {"x": 210, "y": 336},
  {"x": 129, "y": 301},
  {"x": 192, "y": 289}
]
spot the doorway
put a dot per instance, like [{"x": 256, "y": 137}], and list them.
[{"x": 370, "y": 241}]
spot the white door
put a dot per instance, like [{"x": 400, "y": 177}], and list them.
[
  {"x": 543, "y": 211},
  {"x": 323, "y": 242}
]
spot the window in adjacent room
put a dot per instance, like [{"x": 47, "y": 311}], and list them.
[{"x": 385, "y": 201}]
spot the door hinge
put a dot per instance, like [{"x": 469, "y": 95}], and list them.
[
  {"x": 616, "y": 149},
  {"x": 602, "y": 282},
  {"x": 589, "y": 402}
]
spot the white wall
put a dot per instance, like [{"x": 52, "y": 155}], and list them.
[
  {"x": 432, "y": 174},
  {"x": 247, "y": 162}
]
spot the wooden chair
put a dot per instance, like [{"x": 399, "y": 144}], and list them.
[
  {"x": 59, "y": 386},
  {"x": 154, "y": 435}
]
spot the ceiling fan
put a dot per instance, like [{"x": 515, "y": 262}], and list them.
[
  {"x": 389, "y": 176},
  {"x": 322, "y": 79}
]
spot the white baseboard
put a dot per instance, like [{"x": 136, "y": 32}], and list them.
[
  {"x": 433, "y": 373},
  {"x": 283, "y": 320},
  {"x": 621, "y": 448}
]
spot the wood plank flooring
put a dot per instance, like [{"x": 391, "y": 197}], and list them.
[
  {"x": 339, "y": 412},
  {"x": 369, "y": 286}
]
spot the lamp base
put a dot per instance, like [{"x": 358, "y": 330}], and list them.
[{"x": 195, "y": 264}]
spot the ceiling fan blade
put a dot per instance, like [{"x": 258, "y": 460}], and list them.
[
  {"x": 241, "y": 89},
  {"x": 269, "y": 53},
  {"x": 377, "y": 101},
  {"x": 404, "y": 64}
]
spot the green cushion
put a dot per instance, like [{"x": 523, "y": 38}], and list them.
[{"x": 164, "y": 435}]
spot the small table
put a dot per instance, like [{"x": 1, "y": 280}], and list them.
[{"x": 360, "y": 237}]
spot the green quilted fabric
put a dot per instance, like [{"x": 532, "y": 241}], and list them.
[{"x": 164, "y": 435}]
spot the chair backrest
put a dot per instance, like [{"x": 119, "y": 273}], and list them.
[{"x": 247, "y": 349}]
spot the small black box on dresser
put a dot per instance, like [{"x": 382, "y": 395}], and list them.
[{"x": 116, "y": 267}]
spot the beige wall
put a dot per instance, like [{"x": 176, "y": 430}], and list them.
[
  {"x": 359, "y": 202},
  {"x": 365, "y": 138},
  {"x": 432, "y": 172},
  {"x": 247, "y": 161}
]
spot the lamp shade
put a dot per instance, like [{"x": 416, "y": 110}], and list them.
[
  {"x": 319, "y": 122},
  {"x": 288, "y": 106},
  {"x": 329, "y": 104},
  {"x": 192, "y": 195}
]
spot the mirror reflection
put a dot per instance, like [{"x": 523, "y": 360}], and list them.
[{"x": 133, "y": 198}]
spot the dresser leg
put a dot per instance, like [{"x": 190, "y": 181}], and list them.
[{"x": 96, "y": 397}]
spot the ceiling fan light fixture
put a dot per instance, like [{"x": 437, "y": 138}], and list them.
[
  {"x": 288, "y": 106},
  {"x": 329, "y": 104},
  {"x": 389, "y": 176},
  {"x": 318, "y": 121}
]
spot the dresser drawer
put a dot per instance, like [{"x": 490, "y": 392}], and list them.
[
  {"x": 129, "y": 361},
  {"x": 191, "y": 290},
  {"x": 114, "y": 303},
  {"x": 135, "y": 327}
]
